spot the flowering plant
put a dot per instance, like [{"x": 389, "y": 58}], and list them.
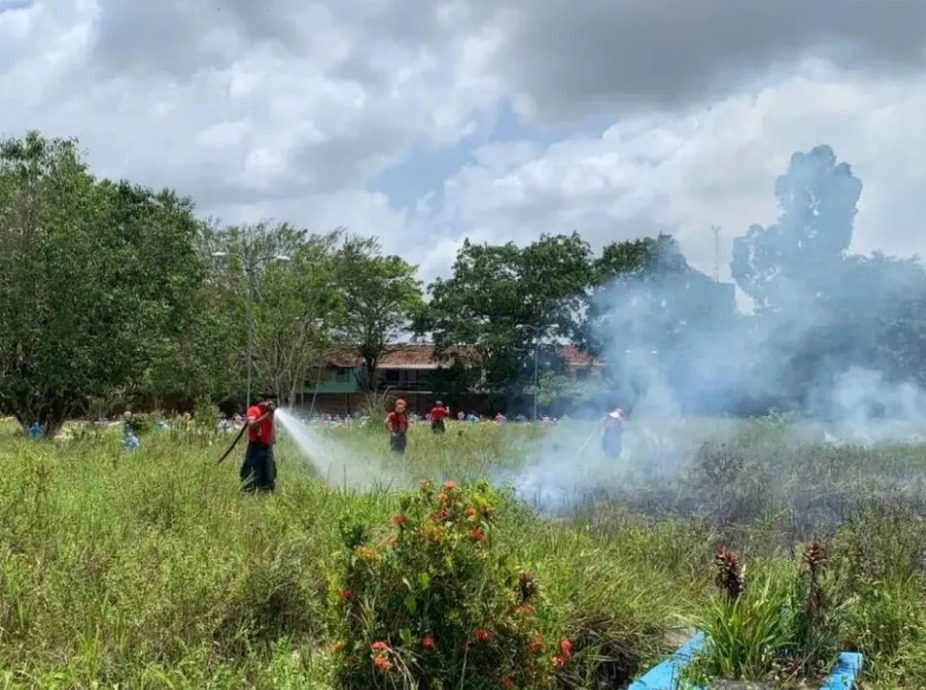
[{"x": 432, "y": 605}]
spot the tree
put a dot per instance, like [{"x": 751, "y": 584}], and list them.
[
  {"x": 294, "y": 307},
  {"x": 650, "y": 316},
  {"x": 505, "y": 300},
  {"x": 380, "y": 295},
  {"x": 793, "y": 260},
  {"x": 94, "y": 276}
]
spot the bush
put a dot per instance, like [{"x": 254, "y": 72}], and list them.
[
  {"x": 430, "y": 604},
  {"x": 789, "y": 624}
]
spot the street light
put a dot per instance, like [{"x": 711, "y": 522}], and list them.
[
  {"x": 250, "y": 266},
  {"x": 534, "y": 329}
]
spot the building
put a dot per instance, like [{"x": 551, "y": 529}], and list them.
[{"x": 338, "y": 384}]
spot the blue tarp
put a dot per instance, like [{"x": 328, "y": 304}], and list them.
[{"x": 665, "y": 675}]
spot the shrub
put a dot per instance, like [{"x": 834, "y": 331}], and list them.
[
  {"x": 429, "y": 603},
  {"x": 789, "y": 623}
]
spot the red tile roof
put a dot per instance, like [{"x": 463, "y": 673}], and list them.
[{"x": 409, "y": 356}]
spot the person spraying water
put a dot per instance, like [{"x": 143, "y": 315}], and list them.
[
  {"x": 612, "y": 440},
  {"x": 258, "y": 472}
]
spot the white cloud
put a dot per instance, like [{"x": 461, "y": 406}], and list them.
[
  {"x": 285, "y": 110},
  {"x": 688, "y": 170}
]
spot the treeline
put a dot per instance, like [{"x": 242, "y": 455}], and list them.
[{"x": 112, "y": 292}]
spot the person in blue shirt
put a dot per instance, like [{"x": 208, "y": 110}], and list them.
[{"x": 35, "y": 431}]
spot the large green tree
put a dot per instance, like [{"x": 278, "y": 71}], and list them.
[
  {"x": 287, "y": 274},
  {"x": 94, "y": 277},
  {"x": 505, "y": 301},
  {"x": 381, "y": 296}
]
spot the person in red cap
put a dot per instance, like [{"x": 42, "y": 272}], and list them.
[
  {"x": 397, "y": 423},
  {"x": 438, "y": 413},
  {"x": 258, "y": 473}
]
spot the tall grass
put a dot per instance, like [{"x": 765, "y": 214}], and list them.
[{"x": 150, "y": 569}]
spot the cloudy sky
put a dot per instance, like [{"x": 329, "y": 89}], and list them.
[{"x": 424, "y": 122}]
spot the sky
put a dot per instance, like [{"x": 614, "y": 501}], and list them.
[{"x": 427, "y": 122}]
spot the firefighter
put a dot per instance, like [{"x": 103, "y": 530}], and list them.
[
  {"x": 397, "y": 423},
  {"x": 438, "y": 413},
  {"x": 259, "y": 471},
  {"x": 612, "y": 440}
]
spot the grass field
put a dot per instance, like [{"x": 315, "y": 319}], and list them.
[{"x": 149, "y": 569}]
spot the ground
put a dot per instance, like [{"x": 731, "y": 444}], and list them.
[{"x": 148, "y": 568}]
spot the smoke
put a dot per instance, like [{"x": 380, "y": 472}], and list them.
[
  {"x": 339, "y": 466},
  {"x": 834, "y": 344}
]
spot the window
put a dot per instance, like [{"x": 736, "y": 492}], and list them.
[
  {"x": 342, "y": 375},
  {"x": 391, "y": 375}
]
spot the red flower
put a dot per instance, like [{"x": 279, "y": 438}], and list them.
[
  {"x": 444, "y": 514},
  {"x": 482, "y": 635},
  {"x": 559, "y": 661},
  {"x": 428, "y": 643},
  {"x": 382, "y": 663},
  {"x": 379, "y": 646},
  {"x": 535, "y": 645},
  {"x": 399, "y": 519},
  {"x": 477, "y": 535},
  {"x": 442, "y": 497},
  {"x": 346, "y": 594},
  {"x": 565, "y": 646},
  {"x": 450, "y": 486},
  {"x": 507, "y": 683}
]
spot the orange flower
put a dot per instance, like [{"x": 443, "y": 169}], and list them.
[
  {"x": 399, "y": 520},
  {"x": 482, "y": 635},
  {"x": 471, "y": 512},
  {"x": 379, "y": 646},
  {"x": 366, "y": 552},
  {"x": 442, "y": 497},
  {"x": 507, "y": 683},
  {"x": 535, "y": 645},
  {"x": 382, "y": 663},
  {"x": 337, "y": 647},
  {"x": 450, "y": 486},
  {"x": 428, "y": 643},
  {"x": 346, "y": 594},
  {"x": 565, "y": 646},
  {"x": 477, "y": 535},
  {"x": 391, "y": 541},
  {"x": 559, "y": 661}
]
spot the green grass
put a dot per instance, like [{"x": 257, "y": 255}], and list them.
[{"x": 151, "y": 570}]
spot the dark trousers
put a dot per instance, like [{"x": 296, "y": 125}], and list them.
[
  {"x": 612, "y": 443},
  {"x": 437, "y": 426},
  {"x": 397, "y": 442},
  {"x": 259, "y": 471}
]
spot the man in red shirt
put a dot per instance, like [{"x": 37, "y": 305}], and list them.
[
  {"x": 397, "y": 423},
  {"x": 438, "y": 414},
  {"x": 259, "y": 471}
]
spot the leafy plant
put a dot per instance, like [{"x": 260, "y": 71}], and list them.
[{"x": 431, "y": 604}]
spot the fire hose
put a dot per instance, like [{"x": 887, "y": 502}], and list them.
[{"x": 233, "y": 444}]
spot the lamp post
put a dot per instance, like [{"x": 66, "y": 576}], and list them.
[
  {"x": 534, "y": 330},
  {"x": 250, "y": 266}
]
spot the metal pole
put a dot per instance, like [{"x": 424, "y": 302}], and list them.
[
  {"x": 250, "y": 271},
  {"x": 535, "y": 380}
]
